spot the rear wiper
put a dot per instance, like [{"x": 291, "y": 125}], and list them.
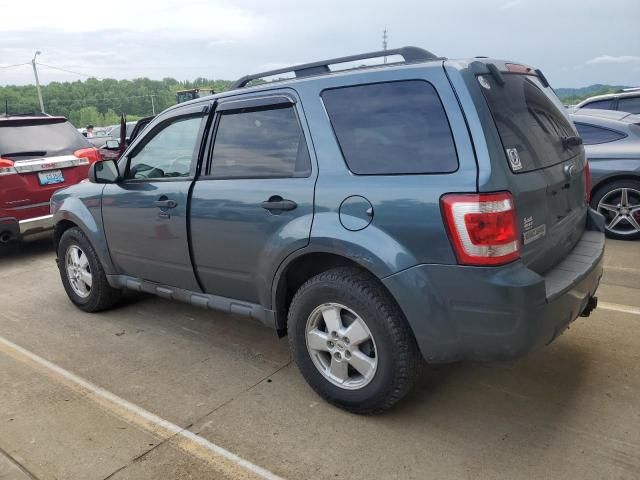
[
  {"x": 39, "y": 153},
  {"x": 570, "y": 142}
]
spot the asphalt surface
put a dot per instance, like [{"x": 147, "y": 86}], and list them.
[{"x": 156, "y": 389}]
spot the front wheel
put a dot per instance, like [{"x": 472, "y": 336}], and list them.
[
  {"x": 82, "y": 274},
  {"x": 351, "y": 341}
]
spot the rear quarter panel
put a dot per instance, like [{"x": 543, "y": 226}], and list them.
[{"x": 407, "y": 227}]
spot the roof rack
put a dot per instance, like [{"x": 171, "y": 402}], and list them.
[{"x": 410, "y": 54}]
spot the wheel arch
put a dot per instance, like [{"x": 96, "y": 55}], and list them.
[
  {"x": 603, "y": 182},
  {"x": 294, "y": 273}
]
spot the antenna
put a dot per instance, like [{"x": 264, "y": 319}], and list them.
[{"x": 384, "y": 42}]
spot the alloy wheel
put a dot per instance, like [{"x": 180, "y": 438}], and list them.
[
  {"x": 621, "y": 209},
  {"x": 78, "y": 271},
  {"x": 341, "y": 346}
]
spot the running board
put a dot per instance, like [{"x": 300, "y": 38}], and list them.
[{"x": 198, "y": 299}]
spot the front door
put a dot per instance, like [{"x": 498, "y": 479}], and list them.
[
  {"x": 254, "y": 205},
  {"x": 145, "y": 214}
]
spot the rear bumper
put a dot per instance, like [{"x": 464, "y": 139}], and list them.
[
  {"x": 488, "y": 313},
  {"x": 20, "y": 228}
]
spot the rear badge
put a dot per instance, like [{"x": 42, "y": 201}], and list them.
[
  {"x": 533, "y": 235},
  {"x": 514, "y": 159},
  {"x": 483, "y": 82}
]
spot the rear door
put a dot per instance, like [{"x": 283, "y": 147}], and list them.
[
  {"x": 46, "y": 154},
  {"x": 544, "y": 161},
  {"x": 254, "y": 204}
]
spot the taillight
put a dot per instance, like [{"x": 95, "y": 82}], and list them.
[
  {"x": 587, "y": 182},
  {"x": 6, "y": 167},
  {"x": 88, "y": 155},
  {"x": 482, "y": 227}
]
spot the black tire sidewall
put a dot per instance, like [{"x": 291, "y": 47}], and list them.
[
  {"x": 75, "y": 237},
  {"x": 604, "y": 190},
  {"x": 334, "y": 292}
]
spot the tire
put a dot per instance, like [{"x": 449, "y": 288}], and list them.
[
  {"x": 98, "y": 295},
  {"x": 609, "y": 201},
  {"x": 358, "y": 298},
  {"x": 9, "y": 248}
]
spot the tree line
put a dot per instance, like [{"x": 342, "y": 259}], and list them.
[{"x": 100, "y": 102}]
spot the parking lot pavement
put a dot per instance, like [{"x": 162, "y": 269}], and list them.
[{"x": 156, "y": 389}]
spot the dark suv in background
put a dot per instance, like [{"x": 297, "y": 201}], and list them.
[
  {"x": 39, "y": 154},
  {"x": 430, "y": 208}
]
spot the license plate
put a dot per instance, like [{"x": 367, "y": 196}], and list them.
[{"x": 51, "y": 177}]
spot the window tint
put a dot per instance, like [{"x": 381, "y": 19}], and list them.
[
  {"x": 599, "y": 104},
  {"x": 24, "y": 140},
  {"x": 530, "y": 120},
  {"x": 265, "y": 142},
  {"x": 591, "y": 134},
  {"x": 169, "y": 152},
  {"x": 392, "y": 128},
  {"x": 629, "y": 104}
]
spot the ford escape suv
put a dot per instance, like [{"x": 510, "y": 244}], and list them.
[
  {"x": 430, "y": 208},
  {"x": 39, "y": 154}
]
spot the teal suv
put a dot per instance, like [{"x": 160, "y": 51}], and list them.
[{"x": 424, "y": 210}]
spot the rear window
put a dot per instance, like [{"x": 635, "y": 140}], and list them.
[
  {"x": 592, "y": 135},
  {"x": 629, "y": 104},
  {"x": 39, "y": 139},
  {"x": 529, "y": 120},
  {"x": 599, "y": 104},
  {"x": 392, "y": 128}
]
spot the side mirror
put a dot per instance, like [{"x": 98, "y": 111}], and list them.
[
  {"x": 112, "y": 144},
  {"x": 105, "y": 171}
]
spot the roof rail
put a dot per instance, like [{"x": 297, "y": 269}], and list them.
[{"x": 410, "y": 54}]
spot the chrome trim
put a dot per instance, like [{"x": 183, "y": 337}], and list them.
[
  {"x": 35, "y": 225},
  {"x": 51, "y": 163}
]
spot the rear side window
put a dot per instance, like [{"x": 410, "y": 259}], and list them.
[
  {"x": 629, "y": 104},
  {"x": 392, "y": 128},
  {"x": 530, "y": 121},
  {"x": 40, "y": 139},
  {"x": 260, "y": 143},
  {"x": 592, "y": 135},
  {"x": 599, "y": 104}
]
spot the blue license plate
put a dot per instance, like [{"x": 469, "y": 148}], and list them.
[{"x": 50, "y": 177}]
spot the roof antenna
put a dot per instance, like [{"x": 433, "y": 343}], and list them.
[{"x": 384, "y": 42}]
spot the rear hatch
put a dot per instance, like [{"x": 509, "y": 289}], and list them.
[
  {"x": 544, "y": 160},
  {"x": 39, "y": 155}
]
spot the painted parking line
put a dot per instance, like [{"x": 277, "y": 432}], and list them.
[
  {"x": 228, "y": 462},
  {"x": 616, "y": 307}
]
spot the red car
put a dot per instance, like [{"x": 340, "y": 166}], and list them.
[{"x": 38, "y": 155}]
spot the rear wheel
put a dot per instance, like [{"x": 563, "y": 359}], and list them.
[
  {"x": 82, "y": 274},
  {"x": 619, "y": 202},
  {"x": 351, "y": 341}
]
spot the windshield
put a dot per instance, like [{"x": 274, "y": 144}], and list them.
[
  {"x": 40, "y": 139},
  {"x": 529, "y": 120}
]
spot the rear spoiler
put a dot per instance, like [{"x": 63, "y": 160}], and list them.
[
  {"x": 24, "y": 121},
  {"x": 496, "y": 73}
]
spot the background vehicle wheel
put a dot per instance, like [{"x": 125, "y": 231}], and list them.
[
  {"x": 351, "y": 341},
  {"x": 619, "y": 202},
  {"x": 82, "y": 274},
  {"x": 9, "y": 248}
]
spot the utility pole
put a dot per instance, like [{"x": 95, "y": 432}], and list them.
[
  {"x": 153, "y": 105},
  {"x": 35, "y": 72},
  {"x": 384, "y": 42}
]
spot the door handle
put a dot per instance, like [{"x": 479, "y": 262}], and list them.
[
  {"x": 165, "y": 203},
  {"x": 278, "y": 203}
]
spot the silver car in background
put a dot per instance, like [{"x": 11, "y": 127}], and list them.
[{"x": 612, "y": 143}]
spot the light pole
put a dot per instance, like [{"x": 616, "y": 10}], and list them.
[{"x": 35, "y": 72}]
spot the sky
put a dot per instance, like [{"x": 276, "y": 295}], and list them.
[{"x": 575, "y": 42}]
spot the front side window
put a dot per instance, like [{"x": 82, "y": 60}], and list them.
[
  {"x": 169, "y": 152},
  {"x": 592, "y": 135},
  {"x": 392, "y": 128},
  {"x": 264, "y": 142}
]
